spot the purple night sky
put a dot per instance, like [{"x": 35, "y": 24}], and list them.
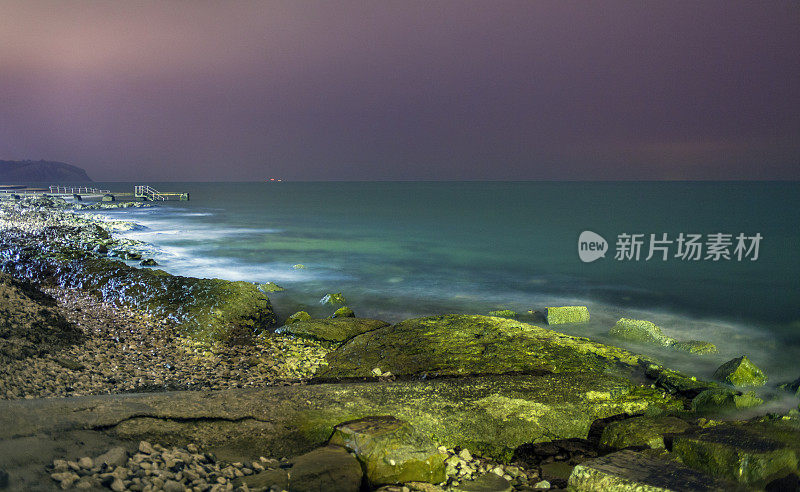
[{"x": 373, "y": 90}]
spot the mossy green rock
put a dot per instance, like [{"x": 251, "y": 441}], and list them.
[
  {"x": 740, "y": 372},
  {"x": 641, "y": 331},
  {"x": 332, "y": 329},
  {"x": 504, "y": 313},
  {"x": 566, "y": 314},
  {"x": 344, "y": 312},
  {"x": 462, "y": 344},
  {"x": 332, "y": 299},
  {"x": 269, "y": 287},
  {"x": 753, "y": 452},
  {"x": 697, "y": 347},
  {"x": 298, "y": 316},
  {"x": 629, "y": 471},
  {"x": 722, "y": 400},
  {"x": 390, "y": 451},
  {"x": 641, "y": 431},
  {"x": 793, "y": 387}
]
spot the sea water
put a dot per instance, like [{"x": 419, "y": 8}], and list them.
[{"x": 403, "y": 249}]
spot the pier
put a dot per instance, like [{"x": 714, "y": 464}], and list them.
[{"x": 143, "y": 193}]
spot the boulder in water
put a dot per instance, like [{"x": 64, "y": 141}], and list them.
[
  {"x": 504, "y": 313},
  {"x": 566, "y": 314},
  {"x": 344, "y": 312},
  {"x": 269, "y": 287},
  {"x": 298, "y": 316},
  {"x": 697, "y": 347},
  {"x": 332, "y": 299},
  {"x": 740, "y": 372},
  {"x": 641, "y": 331}
]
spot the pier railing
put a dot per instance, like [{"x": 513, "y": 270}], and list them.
[{"x": 77, "y": 190}]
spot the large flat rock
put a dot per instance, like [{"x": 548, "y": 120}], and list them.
[
  {"x": 461, "y": 344},
  {"x": 493, "y": 414}
]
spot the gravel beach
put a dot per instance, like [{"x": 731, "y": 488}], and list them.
[{"x": 129, "y": 351}]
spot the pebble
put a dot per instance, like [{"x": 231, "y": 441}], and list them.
[{"x": 462, "y": 465}]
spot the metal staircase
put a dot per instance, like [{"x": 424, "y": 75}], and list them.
[{"x": 148, "y": 193}]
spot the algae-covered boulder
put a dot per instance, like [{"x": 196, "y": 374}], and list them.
[
  {"x": 344, "y": 312},
  {"x": 390, "y": 451},
  {"x": 30, "y": 325},
  {"x": 207, "y": 309},
  {"x": 566, "y": 314},
  {"x": 269, "y": 287},
  {"x": 644, "y": 431},
  {"x": 298, "y": 316},
  {"x": 697, "y": 347},
  {"x": 629, "y": 471},
  {"x": 753, "y": 452},
  {"x": 793, "y": 387},
  {"x": 461, "y": 344},
  {"x": 641, "y": 331},
  {"x": 721, "y": 400},
  {"x": 740, "y": 372},
  {"x": 333, "y": 299},
  {"x": 331, "y": 329},
  {"x": 149, "y": 262},
  {"x": 325, "y": 468},
  {"x": 504, "y": 313}
]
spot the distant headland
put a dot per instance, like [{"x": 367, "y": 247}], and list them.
[{"x": 40, "y": 171}]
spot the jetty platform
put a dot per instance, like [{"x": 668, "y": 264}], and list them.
[{"x": 140, "y": 193}]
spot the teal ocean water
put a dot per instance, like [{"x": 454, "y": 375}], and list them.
[{"x": 401, "y": 249}]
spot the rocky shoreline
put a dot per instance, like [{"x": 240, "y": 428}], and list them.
[{"x": 461, "y": 403}]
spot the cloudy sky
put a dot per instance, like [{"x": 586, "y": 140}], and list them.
[{"x": 359, "y": 90}]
